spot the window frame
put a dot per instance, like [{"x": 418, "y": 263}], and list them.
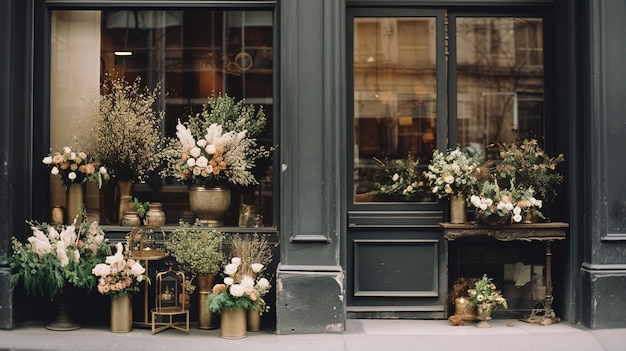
[
  {"x": 40, "y": 200},
  {"x": 430, "y": 214}
]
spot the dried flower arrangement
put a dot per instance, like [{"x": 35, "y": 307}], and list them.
[{"x": 122, "y": 129}]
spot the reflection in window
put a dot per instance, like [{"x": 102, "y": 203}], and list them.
[
  {"x": 500, "y": 84},
  {"x": 193, "y": 54},
  {"x": 395, "y": 85}
]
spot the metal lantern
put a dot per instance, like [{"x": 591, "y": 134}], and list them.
[
  {"x": 147, "y": 242},
  {"x": 170, "y": 310}
]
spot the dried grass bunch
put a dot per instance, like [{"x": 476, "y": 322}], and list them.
[{"x": 252, "y": 249}]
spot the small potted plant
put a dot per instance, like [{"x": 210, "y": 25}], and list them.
[
  {"x": 199, "y": 251},
  {"x": 486, "y": 297}
]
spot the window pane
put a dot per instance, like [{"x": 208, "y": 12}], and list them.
[
  {"x": 193, "y": 54},
  {"x": 500, "y": 84},
  {"x": 395, "y": 94}
]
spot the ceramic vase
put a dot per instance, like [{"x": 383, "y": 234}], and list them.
[
  {"x": 483, "y": 314},
  {"x": 209, "y": 204},
  {"x": 63, "y": 320},
  {"x": 155, "y": 215}
]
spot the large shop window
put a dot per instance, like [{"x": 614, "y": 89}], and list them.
[
  {"x": 192, "y": 54},
  {"x": 409, "y": 100}
]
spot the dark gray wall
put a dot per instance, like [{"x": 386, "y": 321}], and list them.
[
  {"x": 603, "y": 271},
  {"x": 16, "y": 129}
]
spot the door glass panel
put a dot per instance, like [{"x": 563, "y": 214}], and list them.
[
  {"x": 395, "y": 95},
  {"x": 500, "y": 82}
]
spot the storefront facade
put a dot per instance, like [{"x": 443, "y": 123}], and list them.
[{"x": 321, "y": 68}]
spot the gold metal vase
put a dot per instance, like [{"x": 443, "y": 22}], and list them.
[
  {"x": 458, "y": 209},
  {"x": 121, "y": 314},
  {"x": 210, "y": 204},
  {"x": 233, "y": 323},
  {"x": 125, "y": 188},
  {"x": 75, "y": 197},
  {"x": 254, "y": 320},
  {"x": 206, "y": 318}
]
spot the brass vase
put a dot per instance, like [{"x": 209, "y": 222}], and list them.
[
  {"x": 121, "y": 314},
  {"x": 233, "y": 323},
  {"x": 254, "y": 320},
  {"x": 210, "y": 204},
  {"x": 458, "y": 209},
  {"x": 206, "y": 318},
  {"x": 125, "y": 188},
  {"x": 75, "y": 197}
]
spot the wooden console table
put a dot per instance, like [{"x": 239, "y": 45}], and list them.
[{"x": 546, "y": 232}]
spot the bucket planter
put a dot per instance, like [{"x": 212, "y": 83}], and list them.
[{"x": 233, "y": 323}]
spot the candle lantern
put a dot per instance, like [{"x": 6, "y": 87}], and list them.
[
  {"x": 170, "y": 310},
  {"x": 464, "y": 310}
]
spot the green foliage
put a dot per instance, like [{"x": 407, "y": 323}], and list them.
[
  {"x": 485, "y": 293},
  {"x": 197, "y": 249},
  {"x": 140, "y": 207},
  {"x": 528, "y": 166},
  {"x": 399, "y": 177},
  {"x": 232, "y": 115},
  {"x": 42, "y": 272},
  {"x": 218, "y": 302}
]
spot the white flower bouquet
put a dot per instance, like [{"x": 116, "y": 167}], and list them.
[
  {"x": 119, "y": 275},
  {"x": 239, "y": 290},
  {"x": 206, "y": 152},
  {"x": 74, "y": 166},
  {"x": 452, "y": 172},
  {"x": 513, "y": 201},
  {"x": 56, "y": 256}
]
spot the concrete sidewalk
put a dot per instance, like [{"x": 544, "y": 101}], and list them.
[{"x": 361, "y": 334}]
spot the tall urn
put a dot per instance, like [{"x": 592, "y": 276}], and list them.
[
  {"x": 75, "y": 197},
  {"x": 206, "y": 318}
]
